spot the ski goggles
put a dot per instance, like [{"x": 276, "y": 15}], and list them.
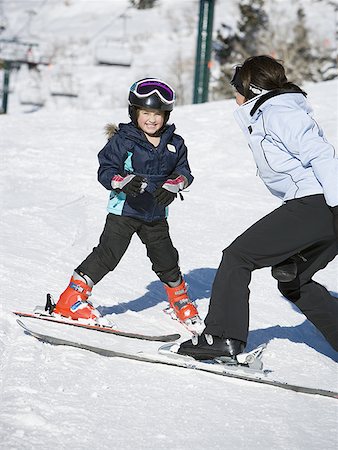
[
  {"x": 145, "y": 88},
  {"x": 236, "y": 80}
]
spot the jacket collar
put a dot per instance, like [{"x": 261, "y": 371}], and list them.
[
  {"x": 247, "y": 114},
  {"x": 263, "y": 98}
]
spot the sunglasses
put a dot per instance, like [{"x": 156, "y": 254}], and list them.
[{"x": 148, "y": 87}]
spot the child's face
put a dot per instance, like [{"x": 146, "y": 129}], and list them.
[{"x": 150, "y": 120}]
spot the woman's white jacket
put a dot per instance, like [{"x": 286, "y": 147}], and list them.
[{"x": 292, "y": 155}]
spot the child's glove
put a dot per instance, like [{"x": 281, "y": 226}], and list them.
[
  {"x": 167, "y": 193},
  {"x": 130, "y": 184}
]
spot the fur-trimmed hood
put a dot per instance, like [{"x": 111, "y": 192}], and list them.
[{"x": 111, "y": 129}]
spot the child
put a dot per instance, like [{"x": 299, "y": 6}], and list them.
[
  {"x": 300, "y": 167},
  {"x": 144, "y": 166}
]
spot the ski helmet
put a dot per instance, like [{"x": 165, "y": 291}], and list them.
[{"x": 151, "y": 93}]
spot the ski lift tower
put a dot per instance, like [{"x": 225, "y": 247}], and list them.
[
  {"x": 12, "y": 58},
  {"x": 203, "y": 52}
]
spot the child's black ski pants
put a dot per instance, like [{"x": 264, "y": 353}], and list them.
[{"x": 115, "y": 239}]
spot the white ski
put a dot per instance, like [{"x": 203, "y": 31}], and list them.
[{"x": 147, "y": 351}]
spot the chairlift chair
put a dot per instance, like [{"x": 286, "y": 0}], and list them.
[
  {"x": 62, "y": 86},
  {"x": 31, "y": 95},
  {"x": 113, "y": 53}
]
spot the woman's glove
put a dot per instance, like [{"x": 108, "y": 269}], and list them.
[
  {"x": 167, "y": 193},
  {"x": 130, "y": 184}
]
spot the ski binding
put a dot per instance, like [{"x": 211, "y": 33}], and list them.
[
  {"x": 250, "y": 361},
  {"x": 194, "y": 325}
]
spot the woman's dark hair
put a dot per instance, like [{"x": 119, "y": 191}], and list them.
[{"x": 264, "y": 72}]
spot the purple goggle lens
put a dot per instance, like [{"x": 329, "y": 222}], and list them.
[{"x": 148, "y": 87}]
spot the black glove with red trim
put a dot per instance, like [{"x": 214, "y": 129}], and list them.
[
  {"x": 167, "y": 193},
  {"x": 130, "y": 184}
]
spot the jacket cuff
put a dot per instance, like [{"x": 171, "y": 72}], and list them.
[{"x": 185, "y": 180}]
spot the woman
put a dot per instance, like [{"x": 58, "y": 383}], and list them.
[{"x": 300, "y": 167}]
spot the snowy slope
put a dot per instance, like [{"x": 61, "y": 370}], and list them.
[
  {"x": 53, "y": 212},
  {"x": 72, "y": 34}
]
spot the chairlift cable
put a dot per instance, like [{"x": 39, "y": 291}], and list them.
[{"x": 123, "y": 14}]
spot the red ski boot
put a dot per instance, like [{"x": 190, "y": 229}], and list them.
[
  {"x": 73, "y": 302},
  {"x": 182, "y": 309}
]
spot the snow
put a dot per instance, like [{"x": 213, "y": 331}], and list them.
[
  {"x": 157, "y": 42},
  {"x": 52, "y": 214},
  {"x": 53, "y": 211}
]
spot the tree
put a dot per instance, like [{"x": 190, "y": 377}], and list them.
[
  {"x": 143, "y": 4},
  {"x": 233, "y": 46},
  {"x": 251, "y": 26},
  {"x": 255, "y": 34}
]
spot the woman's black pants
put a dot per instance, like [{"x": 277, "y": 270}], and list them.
[{"x": 300, "y": 226}]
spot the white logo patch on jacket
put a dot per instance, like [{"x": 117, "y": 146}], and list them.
[{"x": 171, "y": 148}]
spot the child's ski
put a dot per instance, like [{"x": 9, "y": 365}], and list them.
[{"x": 105, "y": 329}]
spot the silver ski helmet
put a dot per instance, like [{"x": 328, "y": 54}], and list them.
[{"x": 151, "y": 93}]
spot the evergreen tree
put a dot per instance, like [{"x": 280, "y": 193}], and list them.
[
  {"x": 252, "y": 24},
  {"x": 143, "y": 4},
  {"x": 296, "y": 54},
  {"x": 231, "y": 47},
  {"x": 255, "y": 35}
]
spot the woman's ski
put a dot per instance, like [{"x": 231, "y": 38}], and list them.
[{"x": 147, "y": 352}]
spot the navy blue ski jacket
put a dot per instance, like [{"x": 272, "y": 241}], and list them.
[{"x": 128, "y": 151}]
